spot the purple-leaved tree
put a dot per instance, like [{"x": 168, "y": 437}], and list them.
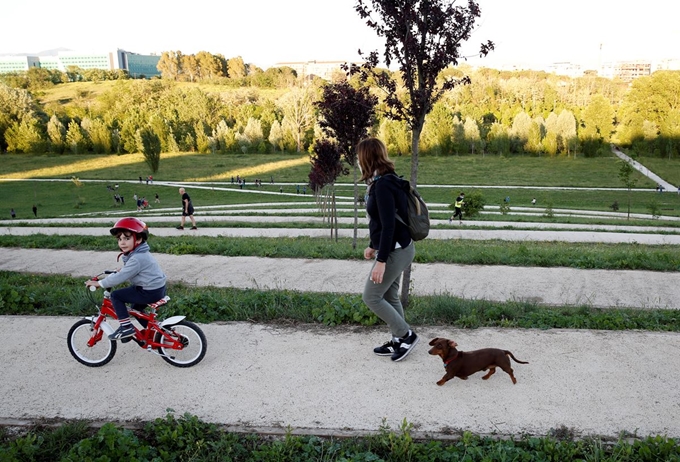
[
  {"x": 326, "y": 168},
  {"x": 345, "y": 115}
]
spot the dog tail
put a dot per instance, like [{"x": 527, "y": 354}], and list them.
[{"x": 515, "y": 359}]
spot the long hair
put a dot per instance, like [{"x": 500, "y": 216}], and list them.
[{"x": 373, "y": 158}]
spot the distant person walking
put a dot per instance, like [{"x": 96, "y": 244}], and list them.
[{"x": 187, "y": 210}]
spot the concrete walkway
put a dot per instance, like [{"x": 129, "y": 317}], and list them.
[{"x": 645, "y": 171}]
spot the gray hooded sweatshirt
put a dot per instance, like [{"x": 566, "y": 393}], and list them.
[{"x": 140, "y": 268}]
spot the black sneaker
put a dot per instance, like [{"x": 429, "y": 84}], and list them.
[
  {"x": 193, "y": 227},
  {"x": 123, "y": 332},
  {"x": 180, "y": 227},
  {"x": 388, "y": 348},
  {"x": 406, "y": 344}
]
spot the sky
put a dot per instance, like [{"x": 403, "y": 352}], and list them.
[{"x": 527, "y": 33}]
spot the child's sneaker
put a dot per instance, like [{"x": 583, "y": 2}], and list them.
[
  {"x": 193, "y": 227},
  {"x": 123, "y": 332},
  {"x": 180, "y": 227},
  {"x": 406, "y": 344},
  {"x": 388, "y": 348}
]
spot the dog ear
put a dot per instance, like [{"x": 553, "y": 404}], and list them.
[{"x": 433, "y": 341}]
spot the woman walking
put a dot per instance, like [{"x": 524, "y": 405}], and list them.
[{"x": 390, "y": 245}]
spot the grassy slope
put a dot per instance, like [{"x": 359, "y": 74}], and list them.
[{"x": 54, "y": 199}]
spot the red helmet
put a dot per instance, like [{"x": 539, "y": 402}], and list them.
[{"x": 131, "y": 224}]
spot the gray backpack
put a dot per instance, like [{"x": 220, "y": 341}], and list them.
[{"x": 418, "y": 217}]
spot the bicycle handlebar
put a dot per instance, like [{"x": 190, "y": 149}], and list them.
[{"x": 97, "y": 278}]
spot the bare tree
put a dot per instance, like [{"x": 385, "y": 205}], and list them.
[
  {"x": 422, "y": 37},
  {"x": 298, "y": 110}
]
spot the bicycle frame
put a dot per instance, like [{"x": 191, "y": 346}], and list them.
[{"x": 145, "y": 337}]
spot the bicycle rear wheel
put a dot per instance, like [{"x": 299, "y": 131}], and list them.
[
  {"x": 193, "y": 339},
  {"x": 96, "y": 355}
]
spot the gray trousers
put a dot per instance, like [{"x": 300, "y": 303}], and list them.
[{"x": 383, "y": 299}]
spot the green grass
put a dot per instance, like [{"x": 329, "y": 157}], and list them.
[
  {"x": 56, "y": 295},
  {"x": 188, "y": 438},
  {"x": 668, "y": 169},
  {"x": 453, "y": 173},
  {"x": 55, "y": 199}
]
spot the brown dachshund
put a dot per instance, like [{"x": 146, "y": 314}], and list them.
[{"x": 464, "y": 363}]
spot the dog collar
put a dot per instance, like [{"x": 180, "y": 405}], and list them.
[{"x": 446, "y": 363}]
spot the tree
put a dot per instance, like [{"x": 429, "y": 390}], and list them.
[
  {"x": 56, "y": 132},
  {"x": 626, "y": 171},
  {"x": 276, "y": 136},
  {"x": 424, "y": 38},
  {"x": 437, "y": 135},
  {"x": 25, "y": 136},
  {"x": 75, "y": 138},
  {"x": 15, "y": 106},
  {"x": 297, "y": 106},
  {"x": 150, "y": 145},
  {"x": 472, "y": 135},
  {"x": 598, "y": 119},
  {"x": 190, "y": 68},
  {"x": 566, "y": 132},
  {"x": 170, "y": 64},
  {"x": 210, "y": 66},
  {"x": 253, "y": 131},
  {"x": 326, "y": 167},
  {"x": 236, "y": 68},
  {"x": 346, "y": 114}
]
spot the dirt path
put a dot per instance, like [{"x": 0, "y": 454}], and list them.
[{"x": 328, "y": 381}]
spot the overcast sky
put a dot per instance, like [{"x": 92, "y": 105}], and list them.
[{"x": 264, "y": 32}]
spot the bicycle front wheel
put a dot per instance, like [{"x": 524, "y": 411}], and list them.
[
  {"x": 191, "y": 337},
  {"x": 100, "y": 353}
]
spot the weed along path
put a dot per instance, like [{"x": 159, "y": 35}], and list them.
[{"x": 327, "y": 381}]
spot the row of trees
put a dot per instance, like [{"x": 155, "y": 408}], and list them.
[
  {"x": 173, "y": 65},
  {"x": 497, "y": 113}
]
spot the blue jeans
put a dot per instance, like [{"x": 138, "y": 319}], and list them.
[{"x": 135, "y": 295}]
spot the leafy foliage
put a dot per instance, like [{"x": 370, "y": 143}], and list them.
[
  {"x": 326, "y": 164},
  {"x": 346, "y": 114},
  {"x": 188, "y": 438},
  {"x": 150, "y": 145}
]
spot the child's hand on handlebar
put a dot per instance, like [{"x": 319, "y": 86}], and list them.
[{"x": 93, "y": 285}]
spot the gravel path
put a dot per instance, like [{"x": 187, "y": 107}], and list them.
[{"x": 327, "y": 381}]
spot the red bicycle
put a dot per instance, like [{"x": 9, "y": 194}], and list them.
[{"x": 178, "y": 341}]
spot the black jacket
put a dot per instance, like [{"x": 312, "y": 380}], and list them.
[{"x": 385, "y": 199}]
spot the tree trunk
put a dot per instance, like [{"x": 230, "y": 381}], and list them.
[
  {"x": 356, "y": 208},
  {"x": 334, "y": 223},
  {"x": 406, "y": 280}
]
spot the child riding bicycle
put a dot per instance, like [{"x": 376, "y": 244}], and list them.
[{"x": 140, "y": 268}]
